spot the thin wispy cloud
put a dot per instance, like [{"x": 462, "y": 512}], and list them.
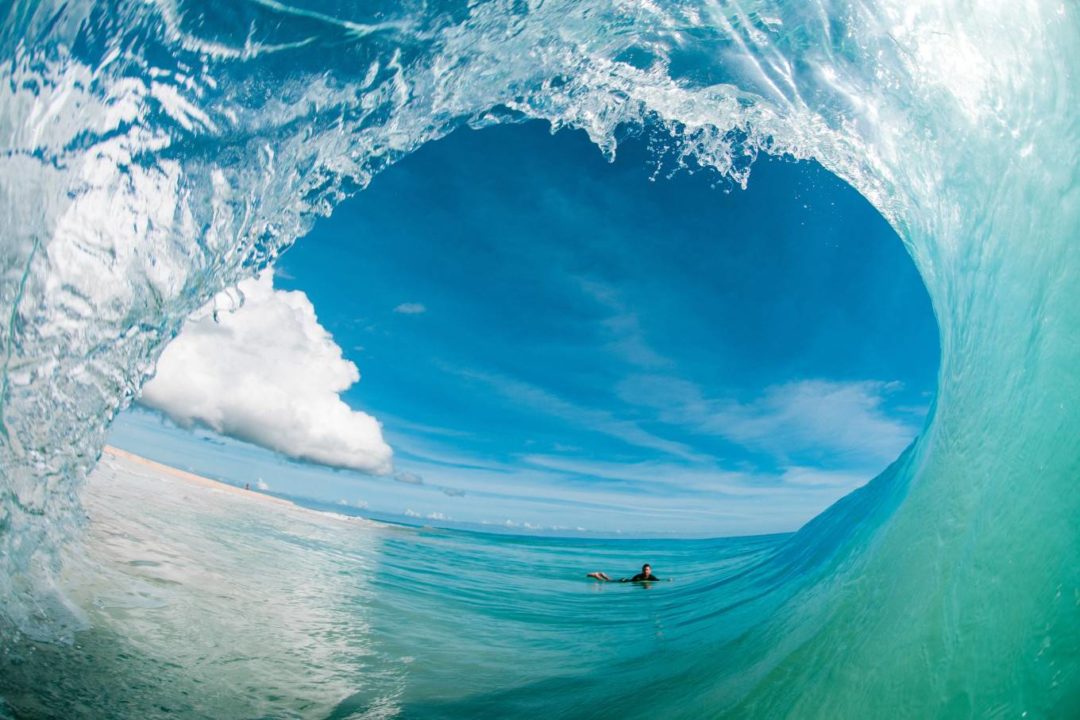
[
  {"x": 621, "y": 328},
  {"x": 814, "y": 439},
  {"x": 412, "y": 478},
  {"x": 649, "y": 495},
  {"x": 593, "y": 419},
  {"x": 844, "y": 423},
  {"x": 843, "y": 420},
  {"x": 408, "y": 478},
  {"x": 662, "y": 477},
  {"x": 410, "y": 308},
  {"x": 823, "y": 478},
  {"x": 433, "y": 451},
  {"x": 395, "y": 422}
]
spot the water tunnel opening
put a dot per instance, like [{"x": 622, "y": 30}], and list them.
[{"x": 555, "y": 343}]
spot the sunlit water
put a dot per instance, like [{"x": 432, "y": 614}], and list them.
[{"x": 205, "y": 603}]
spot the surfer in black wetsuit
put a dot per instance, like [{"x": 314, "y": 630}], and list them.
[{"x": 644, "y": 576}]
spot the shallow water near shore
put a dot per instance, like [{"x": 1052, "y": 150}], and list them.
[{"x": 205, "y": 603}]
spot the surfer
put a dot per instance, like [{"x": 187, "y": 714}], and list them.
[{"x": 644, "y": 576}]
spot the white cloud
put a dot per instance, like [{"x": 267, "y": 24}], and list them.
[
  {"x": 408, "y": 478},
  {"x": 593, "y": 419},
  {"x": 844, "y": 419},
  {"x": 268, "y": 373},
  {"x": 410, "y": 308},
  {"x": 844, "y": 423},
  {"x": 411, "y": 478},
  {"x": 622, "y": 328},
  {"x": 816, "y": 477},
  {"x": 660, "y": 475}
]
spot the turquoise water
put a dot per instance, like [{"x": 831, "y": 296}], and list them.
[
  {"x": 155, "y": 153},
  {"x": 200, "y": 603}
]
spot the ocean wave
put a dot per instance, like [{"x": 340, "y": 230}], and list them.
[{"x": 156, "y": 153}]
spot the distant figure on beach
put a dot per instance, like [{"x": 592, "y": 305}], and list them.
[
  {"x": 644, "y": 576},
  {"x": 247, "y": 486}
]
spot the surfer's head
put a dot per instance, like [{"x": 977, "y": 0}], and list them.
[{"x": 646, "y": 569}]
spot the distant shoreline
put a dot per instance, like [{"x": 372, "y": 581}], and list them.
[
  {"x": 171, "y": 472},
  {"x": 328, "y": 510}
]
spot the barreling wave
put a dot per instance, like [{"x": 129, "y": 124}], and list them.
[{"x": 157, "y": 152}]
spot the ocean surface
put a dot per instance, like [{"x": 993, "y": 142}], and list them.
[
  {"x": 203, "y": 603},
  {"x": 156, "y": 152}
]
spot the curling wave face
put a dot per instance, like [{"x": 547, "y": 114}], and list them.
[{"x": 155, "y": 153}]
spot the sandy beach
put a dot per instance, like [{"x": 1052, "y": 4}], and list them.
[{"x": 171, "y": 472}]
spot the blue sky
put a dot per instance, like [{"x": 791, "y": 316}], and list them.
[{"x": 550, "y": 340}]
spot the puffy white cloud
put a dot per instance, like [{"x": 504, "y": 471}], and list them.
[
  {"x": 270, "y": 374},
  {"x": 410, "y": 308}
]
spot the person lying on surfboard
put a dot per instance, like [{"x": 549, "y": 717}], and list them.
[{"x": 644, "y": 576}]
